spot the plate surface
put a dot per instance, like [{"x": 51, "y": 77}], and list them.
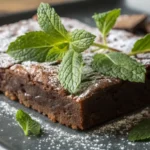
[{"x": 56, "y": 136}]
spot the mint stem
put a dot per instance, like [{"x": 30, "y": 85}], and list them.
[
  {"x": 138, "y": 52},
  {"x": 106, "y": 47},
  {"x": 131, "y": 54},
  {"x": 26, "y": 133},
  {"x": 104, "y": 40},
  {"x": 102, "y": 46}
]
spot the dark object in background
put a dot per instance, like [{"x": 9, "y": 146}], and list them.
[
  {"x": 147, "y": 27},
  {"x": 131, "y": 23}
]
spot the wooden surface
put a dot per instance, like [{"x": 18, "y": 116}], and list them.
[{"x": 11, "y": 6}]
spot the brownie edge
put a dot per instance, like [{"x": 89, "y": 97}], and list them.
[
  {"x": 43, "y": 99},
  {"x": 107, "y": 101}
]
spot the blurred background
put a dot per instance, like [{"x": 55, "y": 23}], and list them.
[
  {"x": 12, "y": 6},
  {"x": 80, "y": 9}
]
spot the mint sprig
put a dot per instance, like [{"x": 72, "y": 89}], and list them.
[
  {"x": 52, "y": 44},
  {"x": 56, "y": 43},
  {"x": 140, "y": 132},
  {"x": 105, "y": 21},
  {"x": 119, "y": 65},
  {"x": 28, "y": 125}
]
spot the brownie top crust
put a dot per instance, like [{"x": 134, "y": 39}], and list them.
[
  {"x": 119, "y": 39},
  {"x": 46, "y": 73}
]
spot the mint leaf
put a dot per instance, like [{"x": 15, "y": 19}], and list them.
[
  {"x": 50, "y": 22},
  {"x": 71, "y": 70},
  {"x": 28, "y": 125},
  {"x": 57, "y": 52},
  {"x": 140, "y": 131},
  {"x": 81, "y": 40},
  {"x": 142, "y": 45},
  {"x": 119, "y": 65},
  {"x": 32, "y": 46},
  {"x": 105, "y": 21}
]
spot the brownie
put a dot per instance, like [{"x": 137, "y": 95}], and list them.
[
  {"x": 99, "y": 98},
  {"x": 131, "y": 22}
]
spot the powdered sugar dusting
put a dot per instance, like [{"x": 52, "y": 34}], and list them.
[
  {"x": 122, "y": 40},
  {"x": 9, "y": 33},
  {"x": 6, "y": 61},
  {"x": 145, "y": 61},
  {"x": 46, "y": 74}
]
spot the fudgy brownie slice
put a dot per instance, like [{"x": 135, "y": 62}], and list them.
[{"x": 99, "y": 99}]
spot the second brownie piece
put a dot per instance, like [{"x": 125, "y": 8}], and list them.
[{"x": 131, "y": 22}]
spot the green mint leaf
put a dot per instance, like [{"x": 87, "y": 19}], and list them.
[
  {"x": 32, "y": 46},
  {"x": 57, "y": 52},
  {"x": 106, "y": 21},
  {"x": 142, "y": 45},
  {"x": 119, "y": 65},
  {"x": 28, "y": 125},
  {"x": 50, "y": 22},
  {"x": 140, "y": 132},
  {"x": 81, "y": 40},
  {"x": 71, "y": 70}
]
